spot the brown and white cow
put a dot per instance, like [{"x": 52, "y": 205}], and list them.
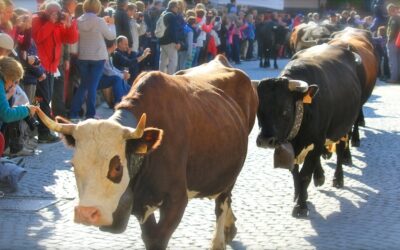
[{"x": 201, "y": 120}]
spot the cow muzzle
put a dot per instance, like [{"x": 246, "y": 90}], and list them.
[
  {"x": 263, "y": 142},
  {"x": 89, "y": 216}
]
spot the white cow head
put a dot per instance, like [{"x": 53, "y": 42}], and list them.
[{"x": 101, "y": 166}]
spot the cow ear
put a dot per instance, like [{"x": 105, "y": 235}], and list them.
[
  {"x": 310, "y": 94},
  {"x": 150, "y": 140},
  {"x": 68, "y": 139}
]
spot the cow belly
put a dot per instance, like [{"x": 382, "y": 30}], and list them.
[{"x": 217, "y": 156}]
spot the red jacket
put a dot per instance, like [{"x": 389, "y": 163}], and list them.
[{"x": 49, "y": 38}]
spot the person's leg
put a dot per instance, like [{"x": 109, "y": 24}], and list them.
[
  {"x": 30, "y": 90},
  {"x": 96, "y": 71},
  {"x": 43, "y": 96},
  {"x": 163, "y": 58},
  {"x": 173, "y": 58},
  {"x": 80, "y": 94},
  {"x": 393, "y": 62},
  {"x": 57, "y": 99}
]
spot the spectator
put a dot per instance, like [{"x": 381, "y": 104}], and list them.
[
  {"x": 150, "y": 17},
  {"x": 232, "y": 7},
  {"x": 7, "y": 14},
  {"x": 27, "y": 53},
  {"x": 112, "y": 77},
  {"x": 92, "y": 56},
  {"x": 11, "y": 72},
  {"x": 122, "y": 21},
  {"x": 182, "y": 35},
  {"x": 192, "y": 34},
  {"x": 250, "y": 36},
  {"x": 138, "y": 26},
  {"x": 124, "y": 59},
  {"x": 393, "y": 51},
  {"x": 58, "y": 101},
  {"x": 169, "y": 43},
  {"x": 48, "y": 31},
  {"x": 380, "y": 45}
]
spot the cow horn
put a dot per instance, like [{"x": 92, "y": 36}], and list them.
[
  {"x": 138, "y": 132},
  {"x": 66, "y": 129},
  {"x": 298, "y": 85}
]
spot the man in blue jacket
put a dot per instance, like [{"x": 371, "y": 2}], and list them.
[{"x": 169, "y": 43}]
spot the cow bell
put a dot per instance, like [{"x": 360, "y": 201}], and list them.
[{"x": 284, "y": 156}]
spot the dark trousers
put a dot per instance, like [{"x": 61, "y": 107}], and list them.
[
  {"x": 57, "y": 100},
  {"x": 249, "y": 54},
  {"x": 236, "y": 48},
  {"x": 44, "y": 92}
]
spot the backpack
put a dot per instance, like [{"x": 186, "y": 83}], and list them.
[{"x": 160, "y": 26}]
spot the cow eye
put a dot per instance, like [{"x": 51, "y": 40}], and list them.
[{"x": 115, "y": 170}]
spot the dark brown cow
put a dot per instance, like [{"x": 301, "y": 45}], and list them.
[
  {"x": 360, "y": 42},
  {"x": 206, "y": 115}
]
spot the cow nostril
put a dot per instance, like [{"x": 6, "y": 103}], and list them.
[{"x": 94, "y": 216}]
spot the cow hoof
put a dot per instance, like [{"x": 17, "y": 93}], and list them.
[
  {"x": 276, "y": 67},
  {"x": 361, "y": 123},
  {"x": 319, "y": 181},
  {"x": 355, "y": 143},
  {"x": 338, "y": 183},
  {"x": 347, "y": 161},
  {"x": 300, "y": 212},
  {"x": 230, "y": 233},
  {"x": 326, "y": 155}
]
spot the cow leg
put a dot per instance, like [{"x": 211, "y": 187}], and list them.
[
  {"x": 355, "y": 137},
  {"x": 311, "y": 162},
  {"x": 346, "y": 157},
  {"x": 361, "y": 120},
  {"x": 225, "y": 227},
  {"x": 319, "y": 176},
  {"x": 275, "y": 56},
  {"x": 338, "y": 177},
  {"x": 156, "y": 235}
]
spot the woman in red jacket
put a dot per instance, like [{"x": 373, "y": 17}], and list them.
[{"x": 51, "y": 29}]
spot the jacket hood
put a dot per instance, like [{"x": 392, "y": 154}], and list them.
[{"x": 87, "y": 21}]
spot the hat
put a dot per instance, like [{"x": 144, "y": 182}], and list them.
[{"x": 6, "y": 42}]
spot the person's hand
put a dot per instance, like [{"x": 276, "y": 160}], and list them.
[
  {"x": 109, "y": 20},
  {"x": 177, "y": 46},
  {"x": 31, "y": 60},
  {"x": 146, "y": 52},
  {"x": 67, "y": 20},
  {"x": 126, "y": 75},
  {"x": 11, "y": 92},
  {"x": 32, "y": 110},
  {"x": 42, "y": 77}
]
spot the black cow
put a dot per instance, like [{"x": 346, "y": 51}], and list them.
[
  {"x": 315, "y": 100},
  {"x": 271, "y": 35}
]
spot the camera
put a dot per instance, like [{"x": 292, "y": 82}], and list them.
[
  {"x": 37, "y": 61},
  {"x": 218, "y": 18},
  {"x": 110, "y": 13},
  {"x": 32, "y": 122}
]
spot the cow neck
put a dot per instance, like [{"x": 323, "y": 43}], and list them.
[
  {"x": 127, "y": 119},
  {"x": 297, "y": 120}
]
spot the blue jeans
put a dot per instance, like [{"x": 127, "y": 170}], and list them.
[
  {"x": 91, "y": 72},
  {"x": 119, "y": 86}
]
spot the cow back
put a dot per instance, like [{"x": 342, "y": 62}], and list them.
[{"x": 360, "y": 41}]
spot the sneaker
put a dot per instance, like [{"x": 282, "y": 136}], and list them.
[
  {"x": 23, "y": 152},
  {"x": 48, "y": 138}
]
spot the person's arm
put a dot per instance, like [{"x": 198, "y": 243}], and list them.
[
  {"x": 107, "y": 30},
  {"x": 9, "y": 114},
  {"x": 142, "y": 27},
  {"x": 121, "y": 61}
]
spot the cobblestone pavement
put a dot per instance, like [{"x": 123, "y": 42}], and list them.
[{"x": 362, "y": 215}]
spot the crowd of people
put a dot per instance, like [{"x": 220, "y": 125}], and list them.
[{"x": 59, "y": 57}]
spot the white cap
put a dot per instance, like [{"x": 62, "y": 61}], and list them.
[{"x": 6, "y": 42}]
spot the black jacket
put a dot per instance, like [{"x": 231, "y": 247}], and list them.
[
  {"x": 122, "y": 25},
  {"x": 171, "y": 32}
]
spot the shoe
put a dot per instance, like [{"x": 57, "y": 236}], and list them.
[
  {"x": 23, "y": 152},
  {"x": 48, "y": 138}
]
